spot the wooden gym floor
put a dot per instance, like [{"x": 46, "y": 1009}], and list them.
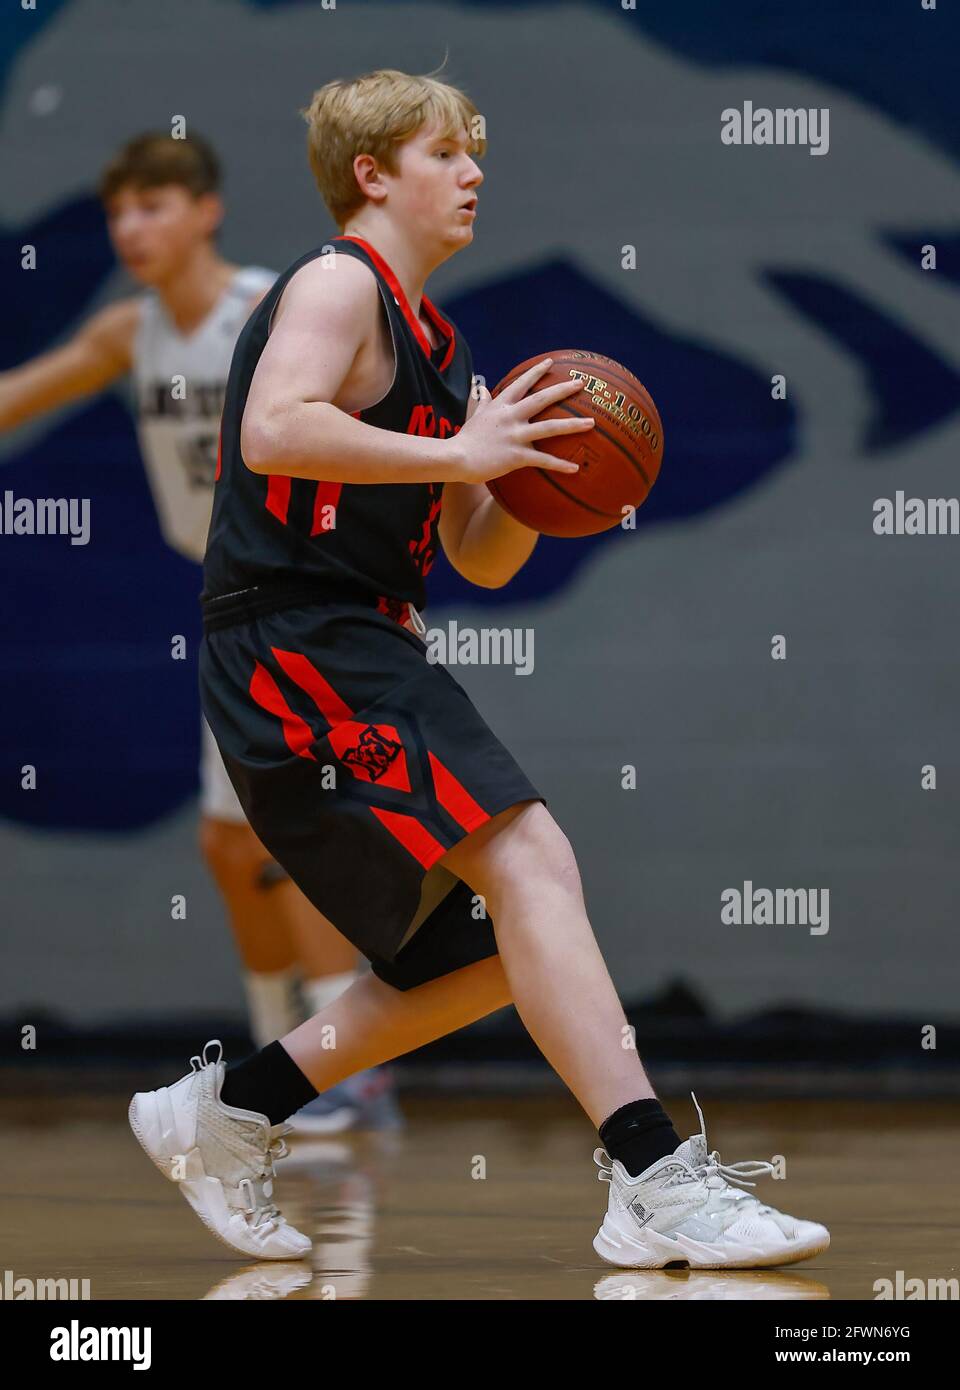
[{"x": 402, "y": 1216}]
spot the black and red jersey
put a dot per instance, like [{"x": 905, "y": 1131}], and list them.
[{"x": 377, "y": 540}]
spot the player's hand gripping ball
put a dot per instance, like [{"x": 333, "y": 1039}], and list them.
[{"x": 619, "y": 458}]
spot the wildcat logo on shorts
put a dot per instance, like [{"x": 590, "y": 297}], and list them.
[{"x": 374, "y": 752}]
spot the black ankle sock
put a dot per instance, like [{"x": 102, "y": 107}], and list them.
[
  {"x": 269, "y": 1082},
  {"x": 638, "y": 1134}
]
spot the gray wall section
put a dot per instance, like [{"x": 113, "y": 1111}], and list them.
[{"x": 801, "y": 773}]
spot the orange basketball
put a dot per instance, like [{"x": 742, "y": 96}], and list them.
[{"x": 619, "y": 458}]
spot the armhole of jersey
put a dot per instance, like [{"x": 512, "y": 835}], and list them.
[
  {"x": 274, "y": 309},
  {"x": 393, "y": 337},
  {"x": 393, "y": 342}
]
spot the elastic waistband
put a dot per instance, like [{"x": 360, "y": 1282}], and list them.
[{"x": 246, "y": 605}]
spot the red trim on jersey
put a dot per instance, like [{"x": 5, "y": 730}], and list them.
[
  {"x": 440, "y": 323},
  {"x": 278, "y": 496},
  {"x": 403, "y": 303},
  {"x": 328, "y": 495},
  {"x": 412, "y": 835},
  {"x": 216, "y": 476},
  {"x": 296, "y": 731}
]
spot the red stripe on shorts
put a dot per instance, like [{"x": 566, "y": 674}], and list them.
[
  {"x": 303, "y": 673},
  {"x": 296, "y": 731},
  {"x": 412, "y": 835},
  {"x": 454, "y": 797},
  {"x": 346, "y": 733}
]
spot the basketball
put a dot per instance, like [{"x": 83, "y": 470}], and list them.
[{"x": 619, "y": 458}]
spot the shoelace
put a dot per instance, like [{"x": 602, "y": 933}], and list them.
[
  {"x": 197, "y": 1063},
  {"x": 419, "y": 626},
  {"x": 718, "y": 1175},
  {"x": 264, "y": 1211},
  {"x": 712, "y": 1172}
]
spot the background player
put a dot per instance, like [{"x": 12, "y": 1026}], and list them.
[{"x": 163, "y": 207}]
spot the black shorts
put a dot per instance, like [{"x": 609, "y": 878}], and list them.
[{"x": 359, "y": 763}]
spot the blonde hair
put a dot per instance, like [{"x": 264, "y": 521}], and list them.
[{"x": 374, "y": 114}]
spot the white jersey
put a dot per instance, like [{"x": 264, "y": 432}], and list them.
[{"x": 180, "y": 383}]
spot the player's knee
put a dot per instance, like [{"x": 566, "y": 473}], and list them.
[
  {"x": 530, "y": 851},
  {"x": 230, "y": 851},
  {"x": 554, "y": 861},
  {"x": 541, "y": 836}
]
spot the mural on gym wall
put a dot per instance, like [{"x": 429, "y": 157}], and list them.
[{"x": 740, "y": 274}]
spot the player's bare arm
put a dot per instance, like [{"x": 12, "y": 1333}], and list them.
[
  {"x": 95, "y": 356},
  {"x": 297, "y": 423},
  {"x": 482, "y": 541}
]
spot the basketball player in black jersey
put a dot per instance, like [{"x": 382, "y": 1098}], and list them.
[{"x": 351, "y": 443}]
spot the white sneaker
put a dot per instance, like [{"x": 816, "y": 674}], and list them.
[
  {"x": 221, "y": 1157},
  {"x": 682, "y": 1210}
]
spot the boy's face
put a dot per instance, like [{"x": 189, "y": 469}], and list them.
[
  {"x": 436, "y": 177},
  {"x": 154, "y": 230}
]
